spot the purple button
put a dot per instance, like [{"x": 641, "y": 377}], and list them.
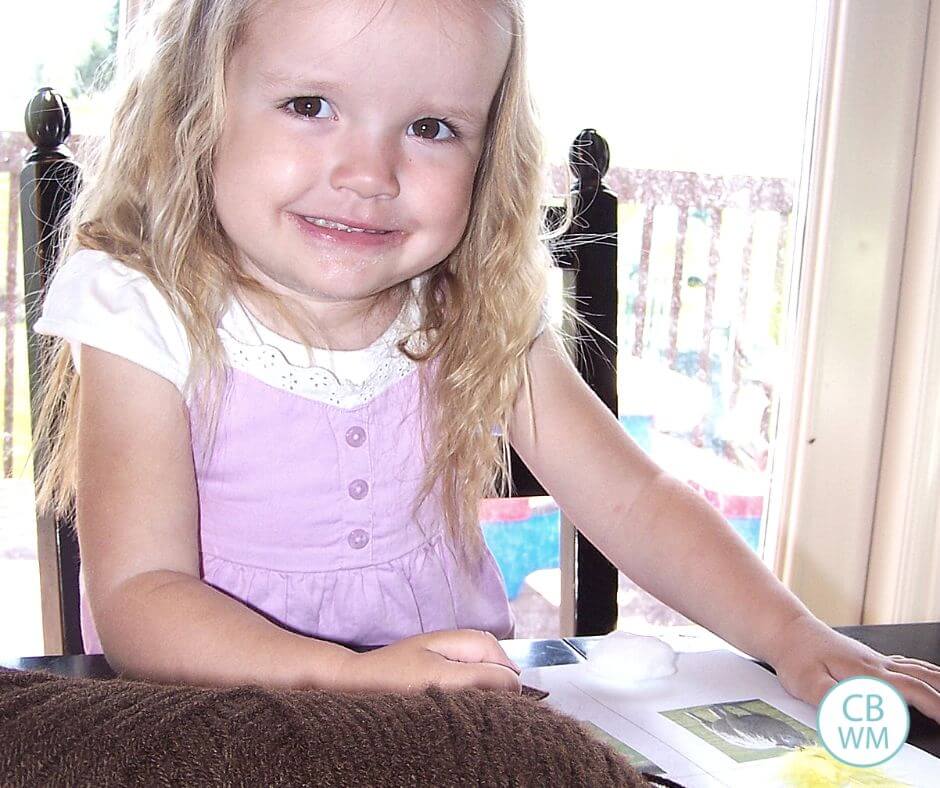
[
  {"x": 358, "y": 489},
  {"x": 355, "y": 436},
  {"x": 357, "y": 539}
]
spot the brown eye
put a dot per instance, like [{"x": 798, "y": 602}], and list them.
[
  {"x": 307, "y": 106},
  {"x": 429, "y": 128}
]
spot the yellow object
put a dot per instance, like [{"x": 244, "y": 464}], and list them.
[{"x": 814, "y": 767}]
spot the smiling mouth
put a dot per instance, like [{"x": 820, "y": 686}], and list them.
[{"x": 330, "y": 225}]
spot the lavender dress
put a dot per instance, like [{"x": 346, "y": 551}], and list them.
[{"x": 305, "y": 506}]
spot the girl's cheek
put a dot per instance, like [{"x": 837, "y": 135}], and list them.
[
  {"x": 462, "y": 204},
  {"x": 447, "y": 191}
]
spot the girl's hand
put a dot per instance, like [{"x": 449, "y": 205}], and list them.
[
  {"x": 452, "y": 659},
  {"x": 812, "y": 657}
]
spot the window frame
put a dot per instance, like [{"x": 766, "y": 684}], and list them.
[
  {"x": 859, "y": 203},
  {"x": 904, "y": 578}
]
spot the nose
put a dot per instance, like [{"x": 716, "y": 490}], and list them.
[{"x": 365, "y": 166}]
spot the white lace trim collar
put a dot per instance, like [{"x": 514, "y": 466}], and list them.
[{"x": 343, "y": 378}]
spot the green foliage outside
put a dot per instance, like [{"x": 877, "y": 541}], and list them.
[{"x": 96, "y": 72}]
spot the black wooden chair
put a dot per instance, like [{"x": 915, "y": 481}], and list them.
[{"x": 48, "y": 182}]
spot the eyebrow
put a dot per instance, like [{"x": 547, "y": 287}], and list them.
[{"x": 279, "y": 80}]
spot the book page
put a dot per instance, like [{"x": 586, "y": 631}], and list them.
[{"x": 720, "y": 720}]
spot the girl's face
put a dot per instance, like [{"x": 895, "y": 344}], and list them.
[{"x": 369, "y": 113}]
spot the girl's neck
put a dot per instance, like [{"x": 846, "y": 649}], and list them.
[{"x": 337, "y": 325}]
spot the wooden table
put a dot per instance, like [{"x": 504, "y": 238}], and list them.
[{"x": 913, "y": 640}]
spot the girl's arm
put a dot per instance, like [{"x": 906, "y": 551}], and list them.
[
  {"x": 137, "y": 519},
  {"x": 674, "y": 544},
  {"x": 137, "y": 516}
]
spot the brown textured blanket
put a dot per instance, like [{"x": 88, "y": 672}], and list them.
[{"x": 75, "y": 732}]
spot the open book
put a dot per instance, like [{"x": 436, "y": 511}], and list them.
[{"x": 720, "y": 720}]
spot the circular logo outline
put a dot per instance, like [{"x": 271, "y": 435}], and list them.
[{"x": 907, "y": 721}]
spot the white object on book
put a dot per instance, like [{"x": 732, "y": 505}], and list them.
[{"x": 627, "y": 657}]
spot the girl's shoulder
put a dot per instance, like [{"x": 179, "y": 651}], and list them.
[{"x": 94, "y": 299}]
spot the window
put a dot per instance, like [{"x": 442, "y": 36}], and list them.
[{"x": 708, "y": 108}]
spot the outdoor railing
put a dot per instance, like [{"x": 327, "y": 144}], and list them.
[
  {"x": 14, "y": 146},
  {"x": 709, "y": 196}
]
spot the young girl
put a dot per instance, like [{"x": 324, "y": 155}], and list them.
[{"x": 299, "y": 323}]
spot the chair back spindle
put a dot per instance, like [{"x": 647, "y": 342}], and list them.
[
  {"x": 596, "y": 578},
  {"x": 588, "y": 250},
  {"x": 47, "y": 185}
]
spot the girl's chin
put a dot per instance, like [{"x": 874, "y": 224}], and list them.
[{"x": 336, "y": 288}]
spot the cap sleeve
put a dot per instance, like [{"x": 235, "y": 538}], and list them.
[
  {"x": 545, "y": 317},
  {"x": 95, "y": 300}
]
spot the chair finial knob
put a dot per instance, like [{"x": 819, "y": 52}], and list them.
[
  {"x": 590, "y": 157},
  {"x": 48, "y": 120}
]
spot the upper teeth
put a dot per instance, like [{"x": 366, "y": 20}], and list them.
[{"x": 338, "y": 226}]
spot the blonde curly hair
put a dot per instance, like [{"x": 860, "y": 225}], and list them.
[{"x": 148, "y": 202}]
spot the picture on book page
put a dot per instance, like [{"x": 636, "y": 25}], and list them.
[
  {"x": 637, "y": 759},
  {"x": 744, "y": 730}
]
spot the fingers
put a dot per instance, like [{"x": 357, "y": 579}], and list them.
[
  {"x": 469, "y": 645},
  {"x": 451, "y": 659},
  {"x": 932, "y": 674},
  {"x": 912, "y": 681},
  {"x": 488, "y": 676}
]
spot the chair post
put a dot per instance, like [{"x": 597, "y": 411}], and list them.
[
  {"x": 596, "y": 304},
  {"x": 47, "y": 184}
]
